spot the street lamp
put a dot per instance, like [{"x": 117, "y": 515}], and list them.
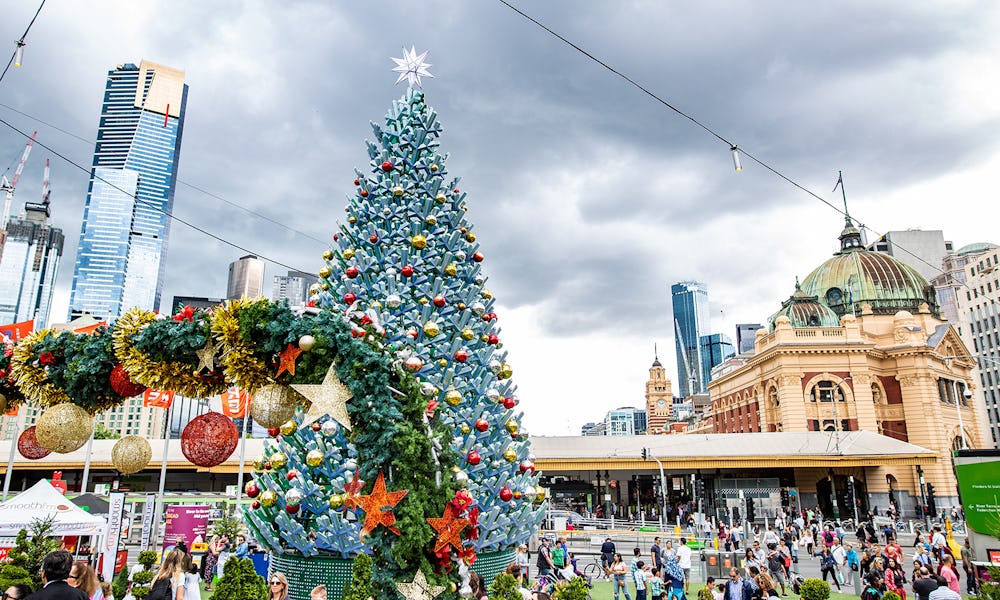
[
  {"x": 923, "y": 498},
  {"x": 833, "y": 496}
]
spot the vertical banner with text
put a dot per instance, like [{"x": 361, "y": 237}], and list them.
[
  {"x": 113, "y": 534},
  {"x": 147, "y": 521}
]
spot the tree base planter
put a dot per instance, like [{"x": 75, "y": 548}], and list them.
[{"x": 305, "y": 573}]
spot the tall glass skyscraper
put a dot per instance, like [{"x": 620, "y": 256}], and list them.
[
  {"x": 29, "y": 265},
  {"x": 121, "y": 257},
  {"x": 691, "y": 321},
  {"x": 716, "y": 348}
]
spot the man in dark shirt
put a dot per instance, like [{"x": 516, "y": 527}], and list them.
[
  {"x": 924, "y": 585},
  {"x": 545, "y": 565},
  {"x": 656, "y": 555},
  {"x": 607, "y": 556},
  {"x": 56, "y": 567}
]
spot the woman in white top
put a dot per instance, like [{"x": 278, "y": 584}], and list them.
[
  {"x": 172, "y": 568},
  {"x": 191, "y": 579}
]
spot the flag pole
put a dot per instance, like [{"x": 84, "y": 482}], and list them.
[
  {"x": 13, "y": 447},
  {"x": 163, "y": 478},
  {"x": 86, "y": 462},
  {"x": 243, "y": 454}
]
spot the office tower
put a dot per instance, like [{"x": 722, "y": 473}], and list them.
[
  {"x": 195, "y": 302},
  {"x": 29, "y": 265},
  {"x": 121, "y": 257},
  {"x": 246, "y": 278},
  {"x": 690, "y": 306},
  {"x": 293, "y": 287},
  {"x": 715, "y": 349},
  {"x": 746, "y": 333},
  {"x": 626, "y": 420},
  {"x": 922, "y": 250}
]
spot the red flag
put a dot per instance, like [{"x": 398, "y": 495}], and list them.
[
  {"x": 16, "y": 331},
  {"x": 235, "y": 403},
  {"x": 160, "y": 398}
]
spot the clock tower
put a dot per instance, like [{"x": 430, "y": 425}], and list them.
[{"x": 659, "y": 398}]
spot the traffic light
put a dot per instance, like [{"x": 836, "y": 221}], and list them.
[
  {"x": 785, "y": 500},
  {"x": 850, "y": 489},
  {"x": 699, "y": 485},
  {"x": 645, "y": 454},
  {"x": 751, "y": 515},
  {"x": 931, "y": 507}
]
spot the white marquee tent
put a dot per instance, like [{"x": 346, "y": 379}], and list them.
[{"x": 42, "y": 501}]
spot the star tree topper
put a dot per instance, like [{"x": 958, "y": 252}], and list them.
[
  {"x": 411, "y": 67},
  {"x": 328, "y": 398},
  {"x": 419, "y": 588}
]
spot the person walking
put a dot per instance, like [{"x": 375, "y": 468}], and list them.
[
  {"x": 775, "y": 562},
  {"x": 619, "y": 570},
  {"x": 521, "y": 562},
  {"x": 924, "y": 583},
  {"x": 171, "y": 575},
  {"x": 828, "y": 565},
  {"x": 211, "y": 560},
  {"x": 895, "y": 578},
  {"x": 764, "y": 582},
  {"x": 56, "y": 569},
  {"x": 738, "y": 588},
  {"x": 192, "y": 587},
  {"x": 608, "y": 552},
  {"x": 684, "y": 562},
  {"x": 656, "y": 556},
  {"x": 948, "y": 570}
]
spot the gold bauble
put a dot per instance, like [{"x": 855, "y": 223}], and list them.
[
  {"x": 540, "y": 494},
  {"x": 484, "y": 338},
  {"x": 470, "y": 237},
  {"x": 307, "y": 342},
  {"x": 272, "y": 405},
  {"x": 512, "y": 426},
  {"x": 314, "y": 289},
  {"x": 453, "y": 397},
  {"x": 352, "y": 219},
  {"x": 442, "y": 362},
  {"x": 324, "y": 286},
  {"x": 464, "y": 206},
  {"x": 434, "y": 168},
  {"x": 314, "y": 458},
  {"x": 325, "y": 272},
  {"x": 348, "y": 253},
  {"x": 328, "y": 255},
  {"x": 509, "y": 455},
  {"x": 288, "y": 427},
  {"x": 431, "y": 329},
  {"x": 258, "y": 462},
  {"x": 278, "y": 460},
  {"x": 397, "y": 191},
  {"x": 468, "y": 334},
  {"x": 424, "y": 301},
  {"x": 441, "y": 198},
  {"x": 431, "y": 220},
  {"x": 336, "y": 501},
  {"x": 505, "y": 371},
  {"x": 465, "y": 429},
  {"x": 450, "y": 269},
  {"x": 268, "y": 498},
  {"x": 131, "y": 454},
  {"x": 418, "y": 241},
  {"x": 64, "y": 428},
  {"x": 486, "y": 294}
]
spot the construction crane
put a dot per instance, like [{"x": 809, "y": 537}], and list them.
[
  {"x": 8, "y": 186},
  {"x": 45, "y": 184}
]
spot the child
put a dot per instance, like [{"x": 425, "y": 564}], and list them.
[
  {"x": 106, "y": 590},
  {"x": 318, "y": 593},
  {"x": 640, "y": 576},
  {"x": 654, "y": 586},
  {"x": 192, "y": 586},
  {"x": 719, "y": 593}
]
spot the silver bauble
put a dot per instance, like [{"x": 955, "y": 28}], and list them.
[
  {"x": 329, "y": 427},
  {"x": 460, "y": 255},
  {"x": 393, "y": 301},
  {"x": 293, "y": 497},
  {"x": 493, "y": 395},
  {"x": 351, "y": 464},
  {"x": 480, "y": 280},
  {"x": 428, "y": 389},
  {"x": 495, "y": 366},
  {"x": 391, "y": 271},
  {"x": 461, "y": 477},
  {"x": 479, "y": 308}
]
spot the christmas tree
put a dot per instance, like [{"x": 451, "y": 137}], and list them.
[{"x": 409, "y": 259}]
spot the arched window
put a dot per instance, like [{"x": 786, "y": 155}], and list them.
[{"x": 826, "y": 391}]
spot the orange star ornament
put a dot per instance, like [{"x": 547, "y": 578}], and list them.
[
  {"x": 449, "y": 529},
  {"x": 288, "y": 357},
  {"x": 351, "y": 490},
  {"x": 374, "y": 503}
]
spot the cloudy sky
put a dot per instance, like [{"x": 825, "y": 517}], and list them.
[{"x": 590, "y": 198}]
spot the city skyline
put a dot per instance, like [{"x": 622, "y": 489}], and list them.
[{"x": 588, "y": 196}]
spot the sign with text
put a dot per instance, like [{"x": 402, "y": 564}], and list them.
[
  {"x": 186, "y": 523},
  {"x": 980, "y": 489},
  {"x": 159, "y": 398},
  {"x": 147, "y": 521},
  {"x": 113, "y": 534}
]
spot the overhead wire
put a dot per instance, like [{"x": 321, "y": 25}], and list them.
[{"x": 20, "y": 41}]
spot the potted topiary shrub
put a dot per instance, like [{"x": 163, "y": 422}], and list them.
[
  {"x": 140, "y": 584},
  {"x": 815, "y": 589},
  {"x": 575, "y": 589},
  {"x": 361, "y": 576},
  {"x": 504, "y": 588},
  {"x": 240, "y": 581},
  {"x": 890, "y": 596}
]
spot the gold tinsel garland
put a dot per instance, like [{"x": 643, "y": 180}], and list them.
[
  {"x": 179, "y": 377},
  {"x": 31, "y": 378},
  {"x": 241, "y": 366}
]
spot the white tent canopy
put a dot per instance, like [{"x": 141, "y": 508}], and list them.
[{"x": 42, "y": 501}]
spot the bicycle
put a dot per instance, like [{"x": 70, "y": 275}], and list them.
[{"x": 595, "y": 568}]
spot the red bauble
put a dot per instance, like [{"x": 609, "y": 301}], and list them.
[
  {"x": 210, "y": 439},
  {"x": 292, "y": 509},
  {"x": 457, "y": 191},
  {"x": 255, "y": 505},
  {"x": 349, "y": 298},
  {"x": 252, "y": 490},
  {"x": 316, "y": 426},
  {"x": 494, "y": 339},
  {"x": 473, "y": 458},
  {"x": 373, "y": 238},
  {"x": 336, "y": 237},
  {"x": 407, "y": 271},
  {"x": 27, "y": 445},
  {"x": 366, "y": 320},
  {"x": 364, "y": 193},
  {"x": 387, "y": 166},
  {"x": 439, "y": 301},
  {"x": 357, "y": 181},
  {"x": 274, "y": 432},
  {"x": 482, "y": 424},
  {"x": 506, "y": 494},
  {"x": 123, "y": 385},
  {"x": 509, "y": 403},
  {"x": 461, "y": 355},
  {"x": 486, "y": 316},
  {"x": 478, "y": 256},
  {"x": 525, "y": 466},
  {"x": 351, "y": 272},
  {"x": 493, "y": 316},
  {"x": 267, "y": 466}
]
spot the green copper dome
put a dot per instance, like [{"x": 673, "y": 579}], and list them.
[
  {"x": 804, "y": 310},
  {"x": 856, "y": 276}
]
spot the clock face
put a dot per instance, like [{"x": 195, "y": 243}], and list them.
[{"x": 661, "y": 403}]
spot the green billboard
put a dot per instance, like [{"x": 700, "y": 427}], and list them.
[{"x": 979, "y": 484}]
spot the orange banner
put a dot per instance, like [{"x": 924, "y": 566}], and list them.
[
  {"x": 16, "y": 331},
  {"x": 89, "y": 329},
  {"x": 235, "y": 403},
  {"x": 160, "y": 398},
  {"x": 11, "y": 413}
]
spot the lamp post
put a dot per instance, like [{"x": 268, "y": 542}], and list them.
[
  {"x": 888, "y": 482},
  {"x": 833, "y": 496},
  {"x": 923, "y": 499}
]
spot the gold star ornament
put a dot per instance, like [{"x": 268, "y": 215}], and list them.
[
  {"x": 419, "y": 588},
  {"x": 206, "y": 356},
  {"x": 328, "y": 398}
]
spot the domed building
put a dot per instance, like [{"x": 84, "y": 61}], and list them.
[{"x": 859, "y": 346}]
